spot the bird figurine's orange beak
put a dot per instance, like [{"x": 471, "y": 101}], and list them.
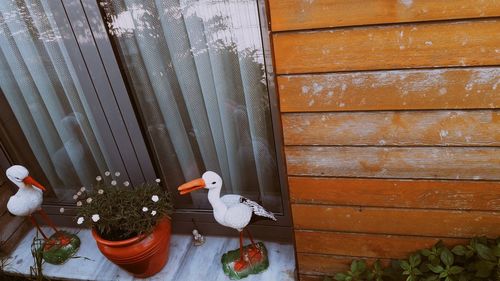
[
  {"x": 191, "y": 186},
  {"x": 30, "y": 181}
]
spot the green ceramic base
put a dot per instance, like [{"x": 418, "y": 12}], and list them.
[
  {"x": 256, "y": 261},
  {"x": 60, "y": 247}
]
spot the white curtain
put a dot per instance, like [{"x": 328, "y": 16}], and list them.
[
  {"x": 43, "y": 90},
  {"x": 196, "y": 69}
]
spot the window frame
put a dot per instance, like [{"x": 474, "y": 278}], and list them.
[
  {"x": 98, "y": 61},
  {"x": 186, "y": 216}
]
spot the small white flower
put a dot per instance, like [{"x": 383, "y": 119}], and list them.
[
  {"x": 75, "y": 197},
  {"x": 157, "y": 180},
  {"x": 153, "y": 213},
  {"x": 79, "y": 203},
  {"x": 155, "y": 198},
  {"x": 126, "y": 183},
  {"x": 98, "y": 178},
  {"x": 82, "y": 189},
  {"x": 144, "y": 209},
  {"x": 117, "y": 174},
  {"x": 80, "y": 220},
  {"x": 79, "y": 193},
  {"x": 89, "y": 200},
  {"x": 113, "y": 182},
  {"x": 95, "y": 217},
  {"x": 100, "y": 191},
  {"x": 107, "y": 173},
  {"x": 61, "y": 210}
]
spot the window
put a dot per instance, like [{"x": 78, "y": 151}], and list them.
[{"x": 176, "y": 87}]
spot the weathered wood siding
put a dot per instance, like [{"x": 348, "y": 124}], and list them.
[{"x": 391, "y": 123}]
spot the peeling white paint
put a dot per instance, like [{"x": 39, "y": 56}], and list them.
[
  {"x": 443, "y": 133},
  {"x": 428, "y": 43}
]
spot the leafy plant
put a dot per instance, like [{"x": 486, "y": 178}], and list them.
[
  {"x": 477, "y": 261},
  {"x": 118, "y": 212}
]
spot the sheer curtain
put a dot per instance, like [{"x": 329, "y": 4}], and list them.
[
  {"x": 196, "y": 69},
  {"x": 43, "y": 90}
]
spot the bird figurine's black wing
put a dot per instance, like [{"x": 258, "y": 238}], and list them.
[{"x": 257, "y": 209}]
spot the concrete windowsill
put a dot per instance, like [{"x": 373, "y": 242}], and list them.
[{"x": 186, "y": 262}]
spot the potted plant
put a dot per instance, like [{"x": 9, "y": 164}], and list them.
[{"x": 131, "y": 225}]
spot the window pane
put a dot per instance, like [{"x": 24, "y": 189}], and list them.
[
  {"x": 46, "y": 95},
  {"x": 196, "y": 70}
]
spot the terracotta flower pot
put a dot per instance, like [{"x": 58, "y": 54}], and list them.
[{"x": 142, "y": 256}]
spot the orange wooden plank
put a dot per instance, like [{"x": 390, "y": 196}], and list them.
[
  {"x": 395, "y": 162},
  {"x": 451, "y": 88},
  {"x": 314, "y": 264},
  {"x": 304, "y": 277},
  {"x": 364, "y": 245},
  {"x": 460, "y": 224},
  {"x": 306, "y": 14},
  {"x": 460, "y": 195},
  {"x": 424, "y": 128},
  {"x": 471, "y": 43}
]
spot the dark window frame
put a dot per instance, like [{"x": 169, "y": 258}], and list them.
[{"x": 100, "y": 55}]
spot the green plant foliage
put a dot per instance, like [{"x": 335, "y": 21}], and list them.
[
  {"x": 477, "y": 261},
  {"x": 119, "y": 212}
]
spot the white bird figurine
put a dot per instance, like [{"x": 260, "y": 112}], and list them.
[
  {"x": 231, "y": 210},
  {"x": 28, "y": 199}
]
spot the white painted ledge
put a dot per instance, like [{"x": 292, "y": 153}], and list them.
[{"x": 186, "y": 263}]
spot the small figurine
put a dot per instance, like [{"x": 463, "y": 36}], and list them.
[
  {"x": 28, "y": 199},
  {"x": 198, "y": 238},
  {"x": 237, "y": 212}
]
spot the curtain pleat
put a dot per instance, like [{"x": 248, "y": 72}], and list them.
[
  {"x": 202, "y": 61},
  {"x": 42, "y": 88}
]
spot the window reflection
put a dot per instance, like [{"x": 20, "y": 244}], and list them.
[{"x": 196, "y": 69}]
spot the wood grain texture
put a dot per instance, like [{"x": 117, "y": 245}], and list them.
[
  {"x": 11, "y": 242},
  {"x": 471, "y": 43},
  {"x": 447, "y": 88},
  {"x": 5, "y": 194},
  {"x": 460, "y": 224},
  {"x": 363, "y": 245},
  {"x": 304, "y": 277},
  {"x": 394, "y": 162},
  {"x": 314, "y": 264},
  {"x": 425, "y": 128},
  {"x": 9, "y": 225},
  {"x": 459, "y": 195},
  {"x": 306, "y": 14}
]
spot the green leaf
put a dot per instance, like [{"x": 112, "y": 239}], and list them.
[
  {"x": 415, "y": 260},
  {"x": 358, "y": 267},
  {"x": 405, "y": 265},
  {"x": 435, "y": 268},
  {"x": 377, "y": 265},
  {"x": 447, "y": 257},
  {"x": 496, "y": 251},
  {"x": 340, "y": 277},
  {"x": 459, "y": 250},
  {"x": 484, "y": 268},
  {"x": 432, "y": 278},
  {"x": 456, "y": 269},
  {"x": 443, "y": 274},
  {"x": 484, "y": 252},
  {"x": 426, "y": 252}
]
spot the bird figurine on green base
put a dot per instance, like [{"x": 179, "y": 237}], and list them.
[
  {"x": 57, "y": 248},
  {"x": 234, "y": 211}
]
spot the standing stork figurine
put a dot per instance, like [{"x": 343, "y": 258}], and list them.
[
  {"x": 234, "y": 211},
  {"x": 28, "y": 200}
]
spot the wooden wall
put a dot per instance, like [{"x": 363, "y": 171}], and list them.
[{"x": 391, "y": 125}]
